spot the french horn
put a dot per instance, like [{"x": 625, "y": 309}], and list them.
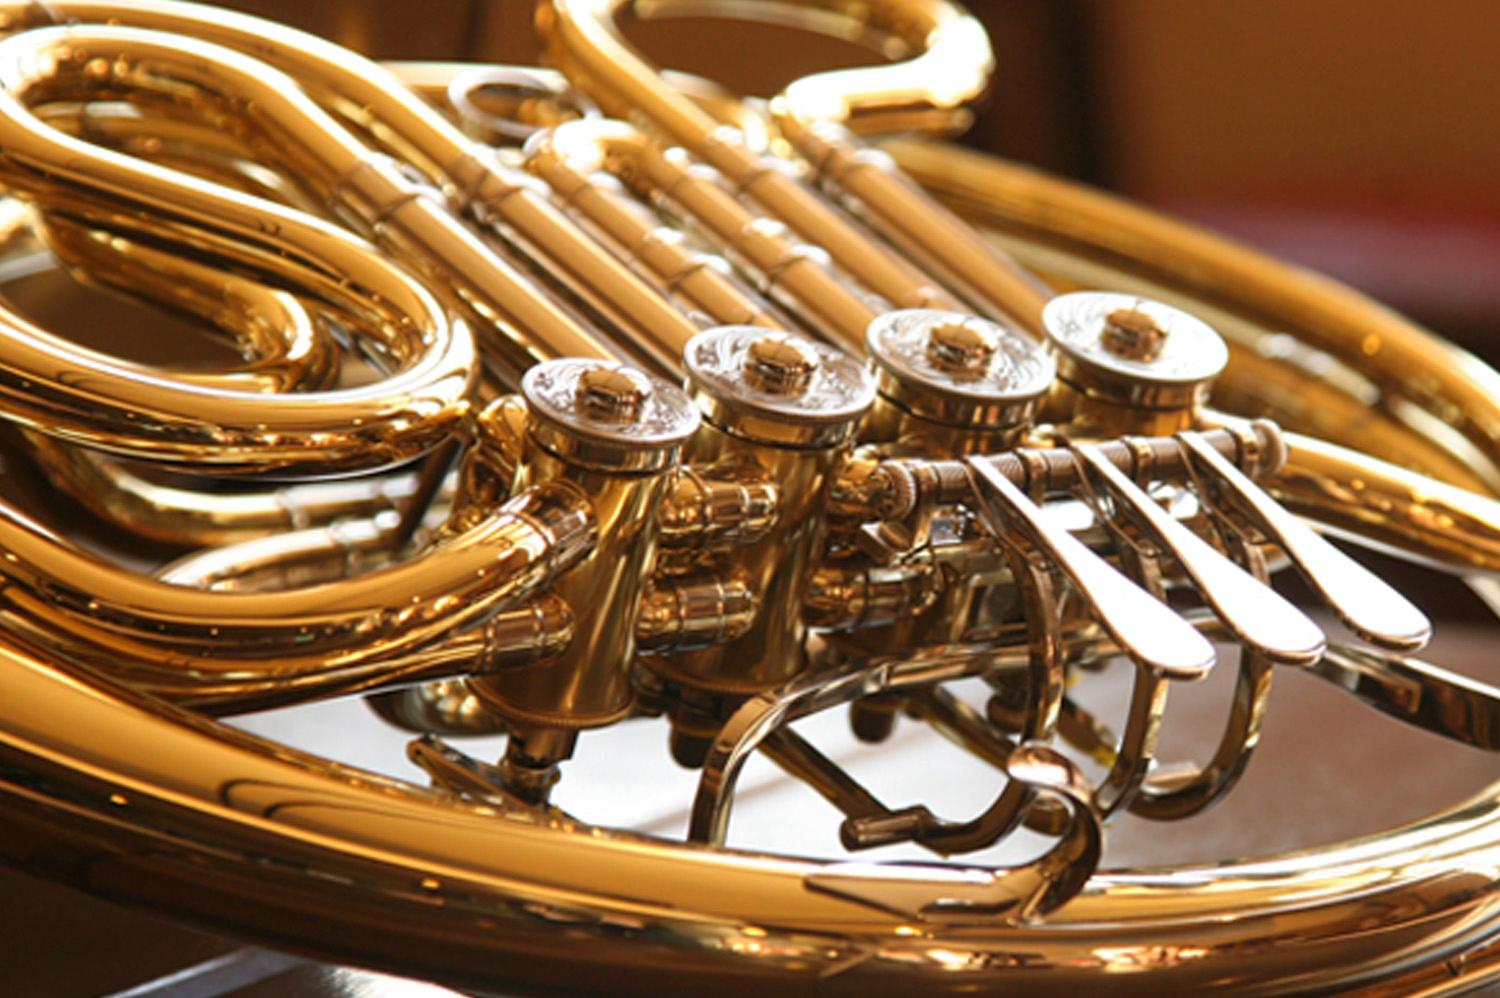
[{"x": 593, "y": 405}]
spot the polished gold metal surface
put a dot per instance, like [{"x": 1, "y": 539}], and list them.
[{"x": 704, "y": 419}]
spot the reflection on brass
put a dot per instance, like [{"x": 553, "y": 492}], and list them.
[{"x": 533, "y": 422}]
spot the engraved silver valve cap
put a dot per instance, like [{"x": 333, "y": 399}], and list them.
[
  {"x": 777, "y": 388},
  {"x": 1133, "y": 351},
  {"x": 958, "y": 370},
  {"x": 607, "y": 415}
]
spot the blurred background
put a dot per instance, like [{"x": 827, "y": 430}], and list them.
[{"x": 1354, "y": 136}]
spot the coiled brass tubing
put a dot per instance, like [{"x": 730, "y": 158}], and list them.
[
  {"x": 707, "y": 414},
  {"x": 230, "y": 432},
  {"x": 529, "y": 324}
]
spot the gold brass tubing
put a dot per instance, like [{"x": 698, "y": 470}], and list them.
[
  {"x": 936, "y": 58},
  {"x": 364, "y": 93},
  {"x": 444, "y": 707},
  {"x": 168, "y": 135},
  {"x": 841, "y": 596},
  {"x": 187, "y": 632},
  {"x": 792, "y": 273},
  {"x": 529, "y": 97},
  {"x": 714, "y": 509},
  {"x": 582, "y": 40},
  {"x": 365, "y": 190},
  {"x": 1313, "y": 405},
  {"x": 289, "y": 348},
  {"x": 124, "y": 495},
  {"x": 547, "y": 99},
  {"x": 487, "y": 474},
  {"x": 1378, "y": 504},
  {"x": 284, "y": 560},
  {"x": 234, "y": 431},
  {"x": 507, "y": 639},
  {"x": 234, "y": 798},
  {"x": 1400, "y": 361},
  {"x": 229, "y": 431},
  {"x": 680, "y": 613},
  {"x": 952, "y": 68},
  {"x": 286, "y": 346},
  {"x": 566, "y": 157},
  {"x": 355, "y": 87}
]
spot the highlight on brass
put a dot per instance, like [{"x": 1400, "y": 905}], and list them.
[{"x": 615, "y": 410}]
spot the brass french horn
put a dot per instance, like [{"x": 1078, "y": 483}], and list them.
[{"x": 583, "y": 404}]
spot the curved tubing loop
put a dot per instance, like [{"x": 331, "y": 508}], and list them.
[
  {"x": 288, "y": 347},
  {"x": 1188, "y": 788},
  {"x": 211, "y": 801},
  {"x": 247, "y": 649},
  {"x": 519, "y": 323},
  {"x": 285, "y": 345},
  {"x": 47, "y": 384},
  {"x": 869, "y": 823},
  {"x": 129, "y": 497},
  {"x": 1011, "y": 895}
]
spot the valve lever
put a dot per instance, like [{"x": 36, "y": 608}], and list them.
[
  {"x": 1362, "y": 600},
  {"x": 1146, "y": 629},
  {"x": 1254, "y": 613}
]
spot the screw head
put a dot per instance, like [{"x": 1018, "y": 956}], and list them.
[
  {"x": 776, "y": 387},
  {"x": 1133, "y": 334},
  {"x": 961, "y": 346},
  {"x": 616, "y": 394},
  {"x": 780, "y": 363}
]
